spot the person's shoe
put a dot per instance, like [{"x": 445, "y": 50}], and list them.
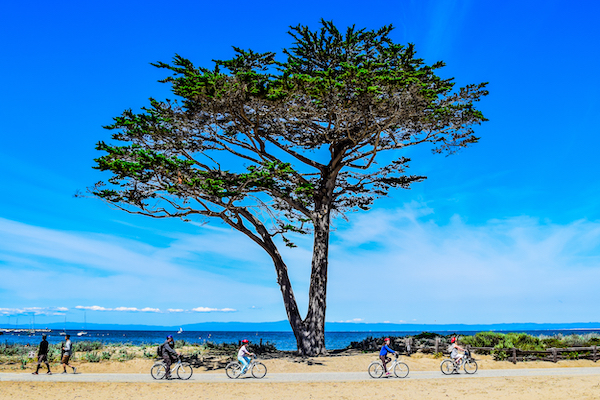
[
  {"x": 74, "y": 370},
  {"x": 64, "y": 372},
  {"x": 48, "y": 373},
  {"x": 387, "y": 374},
  {"x": 34, "y": 373}
]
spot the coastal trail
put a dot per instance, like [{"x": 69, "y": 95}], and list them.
[{"x": 297, "y": 377}]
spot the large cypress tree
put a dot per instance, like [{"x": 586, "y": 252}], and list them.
[{"x": 276, "y": 147}]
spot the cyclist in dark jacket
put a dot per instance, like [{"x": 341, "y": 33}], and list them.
[
  {"x": 169, "y": 355},
  {"x": 385, "y": 349}
]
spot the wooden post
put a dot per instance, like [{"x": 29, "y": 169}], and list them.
[
  {"x": 437, "y": 345},
  {"x": 514, "y": 355},
  {"x": 554, "y": 354},
  {"x": 594, "y": 352}
]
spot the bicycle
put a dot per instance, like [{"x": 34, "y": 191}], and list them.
[
  {"x": 449, "y": 366},
  {"x": 256, "y": 368},
  {"x": 183, "y": 370},
  {"x": 400, "y": 369}
]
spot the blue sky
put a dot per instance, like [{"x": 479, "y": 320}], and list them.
[{"x": 506, "y": 231}]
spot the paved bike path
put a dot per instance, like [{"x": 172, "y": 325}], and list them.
[{"x": 297, "y": 377}]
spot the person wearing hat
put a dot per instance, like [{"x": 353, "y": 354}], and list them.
[
  {"x": 43, "y": 356},
  {"x": 454, "y": 348},
  {"x": 243, "y": 354},
  {"x": 385, "y": 349},
  {"x": 169, "y": 354}
]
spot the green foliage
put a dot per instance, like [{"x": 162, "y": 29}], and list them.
[
  {"x": 87, "y": 346},
  {"x": 105, "y": 355},
  {"x": 573, "y": 355},
  {"x": 262, "y": 348},
  {"x": 180, "y": 343},
  {"x": 276, "y": 147},
  {"x": 92, "y": 357},
  {"x": 426, "y": 335},
  {"x": 123, "y": 355}
]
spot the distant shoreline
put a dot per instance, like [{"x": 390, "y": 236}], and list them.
[{"x": 283, "y": 326}]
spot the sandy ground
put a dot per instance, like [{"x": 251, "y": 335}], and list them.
[{"x": 574, "y": 387}]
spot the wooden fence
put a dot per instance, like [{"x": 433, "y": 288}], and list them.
[
  {"x": 553, "y": 354},
  {"x": 512, "y": 354}
]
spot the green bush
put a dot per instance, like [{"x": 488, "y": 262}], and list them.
[
  {"x": 87, "y": 346},
  {"x": 125, "y": 356},
  {"x": 92, "y": 357}
]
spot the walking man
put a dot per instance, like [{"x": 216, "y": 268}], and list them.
[
  {"x": 43, "y": 356},
  {"x": 67, "y": 351}
]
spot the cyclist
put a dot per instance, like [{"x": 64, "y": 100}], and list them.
[
  {"x": 243, "y": 354},
  {"x": 385, "y": 349},
  {"x": 169, "y": 355},
  {"x": 454, "y": 348}
]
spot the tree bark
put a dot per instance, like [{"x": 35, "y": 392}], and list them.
[{"x": 311, "y": 338}]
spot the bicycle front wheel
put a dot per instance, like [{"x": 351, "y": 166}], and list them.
[
  {"x": 470, "y": 366},
  {"x": 401, "y": 370},
  {"x": 158, "y": 371},
  {"x": 447, "y": 367},
  {"x": 184, "y": 371},
  {"x": 259, "y": 370},
  {"x": 375, "y": 369},
  {"x": 233, "y": 370}
]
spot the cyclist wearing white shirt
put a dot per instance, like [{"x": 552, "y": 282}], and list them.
[
  {"x": 243, "y": 354},
  {"x": 454, "y": 348}
]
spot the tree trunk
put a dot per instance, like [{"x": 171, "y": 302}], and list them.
[
  {"x": 310, "y": 332},
  {"x": 311, "y": 337}
]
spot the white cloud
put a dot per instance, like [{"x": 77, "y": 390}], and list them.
[
  {"x": 207, "y": 309},
  {"x": 355, "y": 320},
  {"x": 33, "y": 311},
  {"x": 97, "y": 267},
  {"x": 521, "y": 269},
  {"x": 149, "y": 309},
  {"x": 93, "y": 308},
  {"x": 384, "y": 264}
]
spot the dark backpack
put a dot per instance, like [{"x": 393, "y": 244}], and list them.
[{"x": 159, "y": 350}]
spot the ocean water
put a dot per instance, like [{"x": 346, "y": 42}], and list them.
[{"x": 282, "y": 340}]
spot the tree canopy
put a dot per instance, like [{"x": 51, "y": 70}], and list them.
[{"x": 272, "y": 146}]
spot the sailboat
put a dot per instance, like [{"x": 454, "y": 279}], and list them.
[
  {"x": 84, "y": 326},
  {"x": 180, "y": 330},
  {"x": 64, "y": 332}
]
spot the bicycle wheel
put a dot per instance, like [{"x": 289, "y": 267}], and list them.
[
  {"x": 470, "y": 366},
  {"x": 158, "y": 371},
  {"x": 184, "y": 371},
  {"x": 375, "y": 369},
  {"x": 447, "y": 367},
  {"x": 401, "y": 370},
  {"x": 233, "y": 369},
  {"x": 259, "y": 370}
]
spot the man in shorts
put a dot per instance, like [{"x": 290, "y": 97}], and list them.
[
  {"x": 67, "y": 351},
  {"x": 43, "y": 356}
]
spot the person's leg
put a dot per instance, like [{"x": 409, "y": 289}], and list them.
[
  {"x": 245, "y": 362},
  {"x": 65, "y": 362},
  {"x": 384, "y": 362},
  {"x": 39, "y": 362},
  {"x": 168, "y": 363}
]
